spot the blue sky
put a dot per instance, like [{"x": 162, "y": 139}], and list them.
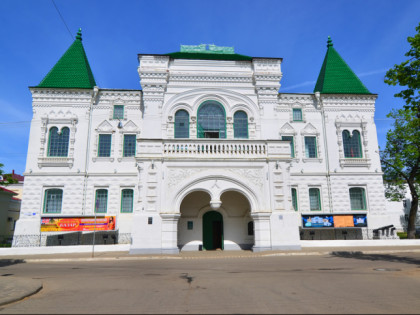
[{"x": 370, "y": 35}]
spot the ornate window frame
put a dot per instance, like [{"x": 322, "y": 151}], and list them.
[
  {"x": 297, "y": 106},
  {"x": 129, "y": 128},
  {"x": 104, "y": 128},
  {"x": 288, "y": 131},
  {"x": 117, "y": 102},
  {"x": 311, "y": 131},
  {"x": 353, "y": 124},
  {"x": 60, "y": 122},
  {"x": 44, "y": 203},
  {"x": 364, "y": 196}
]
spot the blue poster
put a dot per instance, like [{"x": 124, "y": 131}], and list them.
[
  {"x": 360, "y": 220},
  {"x": 317, "y": 221}
]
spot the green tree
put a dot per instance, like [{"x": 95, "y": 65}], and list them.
[
  {"x": 5, "y": 179},
  {"x": 401, "y": 157}
]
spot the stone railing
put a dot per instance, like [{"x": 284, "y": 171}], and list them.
[
  {"x": 214, "y": 148},
  {"x": 355, "y": 162}
]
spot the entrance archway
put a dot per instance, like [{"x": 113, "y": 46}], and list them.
[{"x": 212, "y": 230}]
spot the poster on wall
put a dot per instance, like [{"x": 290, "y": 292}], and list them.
[
  {"x": 317, "y": 221},
  {"x": 336, "y": 221},
  {"x": 55, "y": 224}
]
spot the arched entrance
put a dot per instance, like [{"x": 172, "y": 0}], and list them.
[{"x": 212, "y": 230}]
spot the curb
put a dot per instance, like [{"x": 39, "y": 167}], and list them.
[{"x": 22, "y": 290}]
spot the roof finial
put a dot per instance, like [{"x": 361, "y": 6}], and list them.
[
  {"x": 329, "y": 42},
  {"x": 79, "y": 34}
]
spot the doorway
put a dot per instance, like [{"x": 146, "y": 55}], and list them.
[{"x": 212, "y": 230}]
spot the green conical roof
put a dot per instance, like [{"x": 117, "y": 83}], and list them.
[
  {"x": 72, "y": 70},
  {"x": 336, "y": 77}
]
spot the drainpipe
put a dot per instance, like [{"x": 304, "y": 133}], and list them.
[
  {"x": 85, "y": 181},
  {"x": 327, "y": 161}
]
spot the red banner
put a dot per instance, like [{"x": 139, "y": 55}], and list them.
[{"x": 77, "y": 224}]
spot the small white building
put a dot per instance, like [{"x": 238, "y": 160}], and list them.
[{"x": 207, "y": 155}]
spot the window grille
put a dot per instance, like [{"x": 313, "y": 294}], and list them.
[
  {"x": 357, "y": 198},
  {"x": 59, "y": 142},
  {"x": 211, "y": 120},
  {"x": 240, "y": 124},
  {"x": 182, "y": 124},
  {"x": 310, "y": 147},
  {"x": 118, "y": 112},
  {"x": 101, "y": 201},
  {"x": 129, "y": 145},
  {"x": 314, "y": 199},
  {"x": 53, "y": 200},
  {"x": 104, "y": 147},
  {"x": 297, "y": 114},
  {"x": 127, "y": 200},
  {"x": 352, "y": 144}
]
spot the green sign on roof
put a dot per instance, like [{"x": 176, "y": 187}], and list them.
[
  {"x": 72, "y": 70},
  {"x": 212, "y": 53},
  {"x": 336, "y": 77}
]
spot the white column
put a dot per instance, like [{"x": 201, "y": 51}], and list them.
[
  {"x": 170, "y": 233},
  {"x": 262, "y": 235}
]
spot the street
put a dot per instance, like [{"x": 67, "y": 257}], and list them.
[{"x": 342, "y": 282}]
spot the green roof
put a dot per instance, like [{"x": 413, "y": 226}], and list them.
[
  {"x": 72, "y": 70},
  {"x": 336, "y": 77}
]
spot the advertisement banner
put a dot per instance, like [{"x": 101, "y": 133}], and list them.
[
  {"x": 55, "y": 224},
  {"x": 336, "y": 221}
]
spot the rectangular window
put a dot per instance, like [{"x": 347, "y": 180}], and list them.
[
  {"x": 101, "y": 201},
  {"x": 104, "y": 147},
  {"x": 314, "y": 199},
  {"x": 292, "y": 145},
  {"x": 294, "y": 199},
  {"x": 118, "y": 112},
  {"x": 53, "y": 200},
  {"x": 129, "y": 145},
  {"x": 189, "y": 225},
  {"x": 310, "y": 147},
  {"x": 357, "y": 198},
  {"x": 297, "y": 114},
  {"x": 127, "y": 200}
]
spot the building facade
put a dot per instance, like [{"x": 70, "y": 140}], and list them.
[{"x": 207, "y": 155}]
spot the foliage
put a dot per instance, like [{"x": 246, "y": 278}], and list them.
[
  {"x": 401, "y": 157},
  {"x": 407, "y": 75},
  {"x": 5, "y": 179}
]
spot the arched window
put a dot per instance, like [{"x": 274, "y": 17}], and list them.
[
  {"x": 182, "y": 124},
  {"x": 351, "y": 144},
  {"x": 58, "y": 144},
  {"x": 240, "y": 124},
  {"x": 53, "y": 200},
  {"x": 357, "y": 198},
  {"x": 211, "y": 120}
]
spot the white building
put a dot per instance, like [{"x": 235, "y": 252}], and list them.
[{"x": 208, "y": 154}]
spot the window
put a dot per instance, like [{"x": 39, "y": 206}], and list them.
[
  {"x": 357, "y": 198},
  {"x": 294, "y": 199},
  {"x": 101, "y": 200},
  {"x": 292, "y": 145},
  {"x": 240, "y": 124},
  {"x": 182, "y": 124},
  {"x": 53, "y": 200},
  {"x": 211, "y": 120},
  {"x": 58, "y": 142},
  {"x": 310, "y": 147},
  {"x": 104, "y": 147},
  {"x": 352, "y": 145},
  {"x": 118, "y": 112},
  {"x": 251, "y": 228},
  {"x": 297, "y": 114},
  {"x": 127, "y": 200},
  {"x": 314, "y": 199},
  {"x": 190, "y": 225},
  {"x": 129, "y": 145}
]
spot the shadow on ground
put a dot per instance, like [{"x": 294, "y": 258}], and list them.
[
  {"x": 377, "y": 257},
  {"x": 8, "y": 262}
]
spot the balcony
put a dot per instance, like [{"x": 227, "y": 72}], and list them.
[{"x": 213, "y": 149}]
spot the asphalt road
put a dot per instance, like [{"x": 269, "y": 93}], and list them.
[{"x": 340, "y": 283}]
